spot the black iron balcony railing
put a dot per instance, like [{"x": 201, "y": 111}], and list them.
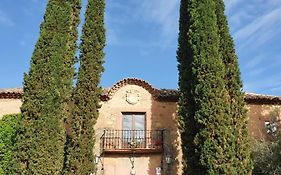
[{"x": 137, "y": 141}]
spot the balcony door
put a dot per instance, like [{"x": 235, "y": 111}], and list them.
[{"x": 133, "y": 130}]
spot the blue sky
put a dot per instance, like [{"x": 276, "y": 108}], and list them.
[{"x": 142, "y": 41}]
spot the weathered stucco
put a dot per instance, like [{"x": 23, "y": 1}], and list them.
[
  {"x": 9, "y": 106},
  {"x": 259, "y": 114}
]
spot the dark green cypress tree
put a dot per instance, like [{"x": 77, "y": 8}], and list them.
[
  {"x": 75, "y": 19},
  {"x": 73, "y": 33},
  {"x": 204, "y": 108},
  {"x": 47, "y": 92},
  {"x": 186, "y": 122},
  {"x": 236, "y": 96},
  {"x": 86, "y": 98}
]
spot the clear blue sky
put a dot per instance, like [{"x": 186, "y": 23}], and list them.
[{"x": 142, "y": 41}]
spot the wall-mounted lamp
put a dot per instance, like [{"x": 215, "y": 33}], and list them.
[
  {"x": 132, "y": 160},
  {"x": 133, "y": 171},
  {"x": 98, "y": 160},
  {"x": 158, "y": 170},
  {"x": 168, "y": 159}
]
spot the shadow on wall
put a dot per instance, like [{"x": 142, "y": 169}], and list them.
[{"x": 163, "y": 116}]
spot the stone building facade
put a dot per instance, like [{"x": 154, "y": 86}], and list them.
[
  {"x": 137, "y": 130},
  {"x": 10, "y": 101}
]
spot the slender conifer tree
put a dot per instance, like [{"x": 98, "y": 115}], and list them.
[
  {"x": 205, "y": 117},
  {"x": 185, "y": 112},
  {"x": 47, "y": 92},
  {"x": 236, "y": 96},
  {"x": 86, "y": 96}
]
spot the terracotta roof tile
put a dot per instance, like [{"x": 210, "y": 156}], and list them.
[
  {"x": 11, "y": 93},
  {"x": 11, "y": 90},
  {"x": 260, "y": 98}
]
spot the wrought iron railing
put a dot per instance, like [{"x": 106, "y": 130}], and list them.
[{"x": 126, "y": 140}]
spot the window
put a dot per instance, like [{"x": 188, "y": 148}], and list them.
[
  {"x": 133, "y": 121},
  {"x": 133, "y": 137},
  {"x": 133, "y": 129},
  {"x": 273, "y": 124},
  {"x": 271, "y": 127}
]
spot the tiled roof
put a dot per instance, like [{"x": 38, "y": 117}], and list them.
[
  {"x": 250, "y": 98},
  {"x": 262, "y": 99},
  {"x": 131, "y": 81},
  {"x": 11, "y": 93},
  {"x": 169, "y": 95}
]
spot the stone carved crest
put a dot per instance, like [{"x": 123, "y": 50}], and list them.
[{"x": 132, "y": 97}]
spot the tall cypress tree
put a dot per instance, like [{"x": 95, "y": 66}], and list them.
[
  {"x": 204, "y": 108},
  {"x": 47, "y": 92},
  {"x": 236, "y": 96},
  {"x": 75, "y": 19},
  {"x": 185, "y": 112},
  {"x": 86, "y": 96}
]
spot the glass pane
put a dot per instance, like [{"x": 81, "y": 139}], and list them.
[
  {"x": 127, "y": 122},
  {"x": 127, "y": 127},
  {"x": 139, "y": 135},
  {"x": 139, "y": 122},
  {"x": 139, "y": 125}
]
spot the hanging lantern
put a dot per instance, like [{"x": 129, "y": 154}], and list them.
[{"x": 133, "y": 171}]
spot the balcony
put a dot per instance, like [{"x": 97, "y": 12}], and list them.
[{"x": 132, "y": 141}]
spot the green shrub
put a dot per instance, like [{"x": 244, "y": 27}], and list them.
[
  {"x": 266, "y": 157},
  {"x": 8, "y": 129}
]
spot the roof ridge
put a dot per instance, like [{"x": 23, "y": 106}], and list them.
[{"x": 162, "y": 94}]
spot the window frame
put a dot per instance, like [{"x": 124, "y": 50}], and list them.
[{"x": 133, "y": 124}]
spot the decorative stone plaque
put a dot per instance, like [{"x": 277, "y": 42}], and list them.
[{"x": 132, "y": 97}]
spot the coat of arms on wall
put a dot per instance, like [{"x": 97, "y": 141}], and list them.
[{"x": 132, "y": 97}]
